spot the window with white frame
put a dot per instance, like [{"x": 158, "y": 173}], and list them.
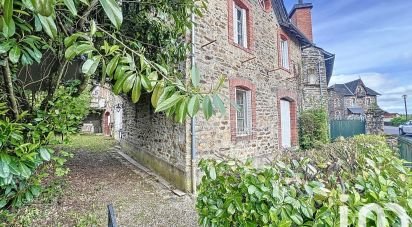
[
  {"x": 368, "y": 101},
  {"x": 240, "y": 26},
  {"x": 244, "y": 112},
  {"x": 284, "y": 53}
]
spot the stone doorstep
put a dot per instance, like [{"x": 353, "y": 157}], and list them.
[{"x": 157, "y": 178}]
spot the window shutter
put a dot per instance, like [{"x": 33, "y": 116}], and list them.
[
  {"x": 235, "y": 31},
  {"x": 244, "y": 22},
  {"x": 249, "y": 112},
  {"x": 286, "y": 55}
]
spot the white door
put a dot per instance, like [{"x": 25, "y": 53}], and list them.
[{"x": 285, "y": 124}]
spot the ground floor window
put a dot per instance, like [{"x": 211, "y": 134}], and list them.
[{"x": 243, "y": 115}]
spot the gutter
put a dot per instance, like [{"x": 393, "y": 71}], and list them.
[{"x": 193, "y": 120}]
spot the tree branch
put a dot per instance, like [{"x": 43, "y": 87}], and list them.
[{"x": 9, "y": 88}]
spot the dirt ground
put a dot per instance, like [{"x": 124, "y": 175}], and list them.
[{"x": 99, "y": 178}]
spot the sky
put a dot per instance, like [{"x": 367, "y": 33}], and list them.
[{"x": 372, "y": 40}]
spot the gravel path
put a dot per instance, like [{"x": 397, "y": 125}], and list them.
[{"x": 100, "y": 178}]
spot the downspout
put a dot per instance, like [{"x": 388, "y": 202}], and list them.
[{"x": 193, "y": 120}]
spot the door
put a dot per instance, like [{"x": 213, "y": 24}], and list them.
[{"x": 285, "y": 125}]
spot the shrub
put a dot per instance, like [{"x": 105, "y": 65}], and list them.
[
  {"x": 398, "y": 121},
  {"x": 313, "y": 125},
  {"x": 305, "y": 188}
]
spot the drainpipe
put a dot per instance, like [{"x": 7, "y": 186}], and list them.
[{"x": 193, "y": 120}]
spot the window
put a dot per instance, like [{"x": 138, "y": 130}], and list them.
[
  {"x": 265, "y": 4},
  {"x": 284, "y": 53},
  {"x": 244, "y": 113},
  {"x": 240, "y": 26},
  {"x": 368, "y": 101}
]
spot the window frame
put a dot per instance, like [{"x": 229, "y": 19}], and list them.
[
  {"x": 247, "y": 112},
  {"x": 243, "y": 42},
  {"x": 284, "y": 49},
  {"x": 247, "y": 44}
]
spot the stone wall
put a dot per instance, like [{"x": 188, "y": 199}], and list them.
[
  {"x": 156, "y": 142},
  {"x": 259, "y": 65},
  {"x": 314, "y": 92},
  {"x": 374, "y": 122}
]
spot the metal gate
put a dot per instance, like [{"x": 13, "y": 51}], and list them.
[
  {"x": 347, "y": 128},
  {"x": 405, "y": 149}
]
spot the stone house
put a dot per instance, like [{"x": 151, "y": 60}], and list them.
[
  {"x": 106, "y": 114},
  {"x": 351, "y": 100},
  {"x": 273, "y": 68}
]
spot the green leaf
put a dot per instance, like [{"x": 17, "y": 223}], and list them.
[
  {"x": 136, "y": 92},
  {"x": 251, "y": 189},
  {"x": 117, "y": 88},
  {"x": 146, "y": 83},
  {"x": 129, "y": 82},
  {"x": 4, "y": 170},
  {"x": 193, "y": 106},
  {"x": 70, "y": 5},
  {"x": 212, "y": 172},
  {"x": 90, "y": 66},
  {"x": 297, "y": 218},
  {"x": 8, "y": 11},
  {"x": 44, "y": 154},
  {"x": 217, "y": 101},
  {"x": 70, "y": 52},
  {"x": 35, "y": 190},
  {"x": 231, "y": 209},
  {"x": 113, "y": 11},
  {"x": 195, "y": 76},
  {"x": 3, "y": 203},
  {"x": 111, "y": 67},
  {"x": 14, "y": 54},
  {"x": 93, "y": 28},
  {"x": 207, "y": 107},
  {"x": 4, "y": 47},
  {"x": 24, "y": 170},
  {"x": 49, "y": 26},
  {"x": 170, "y": 102},
  {"x": 8, "y": 29},
  {"x": 157, "y": 92},
  {"x": 84, "y": 49}
]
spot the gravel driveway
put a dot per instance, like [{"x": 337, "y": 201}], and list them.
[{"x": 100, "y": 178}]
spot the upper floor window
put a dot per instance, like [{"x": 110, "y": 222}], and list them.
[
  {"x": 284, "y": 53},
  {"x": 244, "y": 112},
  {"x": 265, "y": 4},
  {"x": 368, "y": 101},
  {"x": 240, "y": 25}
]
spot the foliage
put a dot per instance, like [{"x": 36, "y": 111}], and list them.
[
  {"x": 306, "y": 189},
  {"x": 25, "y": 158},
  {"x": 397, "y": 121},
  {"x": 138, "y": 52},
  {"x": 313, "y": 125}
]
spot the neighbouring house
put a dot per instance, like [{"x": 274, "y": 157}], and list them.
[
  {"x": 106, "y": 112},
  {"x": 274, "y": 70},
  {"x": 387, "y": 117},
  {"x": 351, "y": 100}
]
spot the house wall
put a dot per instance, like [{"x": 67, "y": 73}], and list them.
[
  {"x": 156, "y": 142},
  {"x": 260, "y": 68},
  {"x": 314, "y": 83}
]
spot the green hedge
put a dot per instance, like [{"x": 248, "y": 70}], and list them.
[
  {"x": 313, "y": 126},
  {"x": 307, "y": 188}
]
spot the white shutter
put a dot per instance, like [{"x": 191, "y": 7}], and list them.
[
  {"x": 235, "y": 31},
  {"x": 249, "y": 112},
  {"x": 244, "y": 23}
]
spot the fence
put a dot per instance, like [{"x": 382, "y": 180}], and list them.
[
  {"x": 405, "y": 149},
  {"x": 347, "y": 128}
]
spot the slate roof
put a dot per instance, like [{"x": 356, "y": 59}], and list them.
[
  {"x": 284, "y": 20},
  {"x": 349, "y": 89},
  {"x": 356, "y": 110}
]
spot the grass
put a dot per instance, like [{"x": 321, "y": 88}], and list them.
[{"x": 93, "y": 143}]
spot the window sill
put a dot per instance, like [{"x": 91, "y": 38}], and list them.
[{"x": 246, "y": 49}]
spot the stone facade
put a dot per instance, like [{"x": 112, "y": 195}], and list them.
[
  {"x": 314, "y": 81},
  {"x": 257, "y": 68},
  {"x": 351, "y": 100}
]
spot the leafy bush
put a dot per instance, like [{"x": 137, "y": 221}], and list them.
[
  {"x": 309, "y": 189},
  {"x": 398, "y": 121},
  {"x": 313, "y": 126}
]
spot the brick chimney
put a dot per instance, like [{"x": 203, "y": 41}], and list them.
[{"x": 301, "y": 17}]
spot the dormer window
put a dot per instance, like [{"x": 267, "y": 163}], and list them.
[
  {"x": 240, "y": 26},
  {"x": 284, "y": 52}
]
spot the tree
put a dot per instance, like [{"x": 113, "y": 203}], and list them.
[{"x": 139, "y": 50}]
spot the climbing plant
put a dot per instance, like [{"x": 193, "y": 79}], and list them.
[{"x": 313, "y": 126}]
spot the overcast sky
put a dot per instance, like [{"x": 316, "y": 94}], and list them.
[{"x": 372, "y": 40}]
